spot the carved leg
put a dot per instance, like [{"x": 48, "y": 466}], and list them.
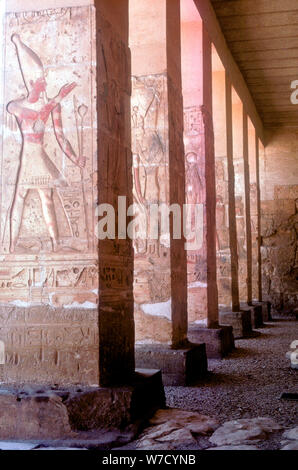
[
  {"x": 49, "y": 213},
  {"x": 16, "y": 217}
]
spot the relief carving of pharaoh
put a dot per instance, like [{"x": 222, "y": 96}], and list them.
[
  {"x": 148, "y": 153},
  {"x": 36, "y": 169}
]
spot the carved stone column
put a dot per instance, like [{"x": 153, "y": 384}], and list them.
[
  {"x": 231, "y": 315},
  {"x": 255, "y": 225},
  {"x": 66, "y": 300},
  {"x": 63, "y": 152},
  {"x": 243, "y": 214},
  {"x": 49, "y": 164},
  {"x": 224, "y": 185},
  {"x": 160, "y": 282},
  {"x": 201, "y": 190}
]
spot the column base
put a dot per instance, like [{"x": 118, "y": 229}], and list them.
[
  {"x": 37, "y": 413},
  {"x": 178, "y": 366},
  {"x": 219, "y": 341},
  {"x": 266, "y": 310},
  {"x": 256, "y": 312},
  {"x": 240, "y": 321}
]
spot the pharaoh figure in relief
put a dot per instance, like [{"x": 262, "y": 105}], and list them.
[
  {"x": 148, "y": 153},
  {"x": 36, "y": 169}
]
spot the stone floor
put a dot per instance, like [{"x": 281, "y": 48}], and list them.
[
  {"x": 243, "y": 387},
  {"x": 237, "y": 406},
  {"x": 248, "y": 383}
]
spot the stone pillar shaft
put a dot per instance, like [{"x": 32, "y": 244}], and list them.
[
  {"x": 259, "y": 240},
  {"x": 247, "y": 209},
  {"x": 224, "y": 278},
  {"x": 116, "y": 322},
  {"x": 200, "y": 168},
  {"x": 157, "y": 133},
  {"x": 232, "y": 207}
]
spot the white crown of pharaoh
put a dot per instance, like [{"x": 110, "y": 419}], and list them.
[{"x": 30, "y": 64}]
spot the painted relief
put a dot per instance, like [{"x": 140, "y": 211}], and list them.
[
  {"x": 153, "y": 273},
  {"x": 222, "y": 232},
  {"x": 196, "y": 142},
  {"x": 148, "y": 146},
  {"x": 279, "y": 230},
  {"x": 48, "y": 158}
]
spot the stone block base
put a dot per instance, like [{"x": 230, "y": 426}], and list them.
[
  {"x": 256, "y": 312},
  {"x": 32, "y": 412},
  {"x": 240, "y": 321},
  {"x": 219, "y": 341},
  {"x": 178, "y": 366},
  {"x": 266, "y": 310}
]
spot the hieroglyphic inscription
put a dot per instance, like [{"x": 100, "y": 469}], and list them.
[{"x": 49, "y": 157}]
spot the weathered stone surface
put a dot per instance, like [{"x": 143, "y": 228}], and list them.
[
  {"x": 168, "y": 434},
  {"x": 178, "y": 366},
  {"x": 266, "y": 311},
  {"x": 149, "y": 444},
  {"x": 240, "y": 447},
  {"x": 240, "y": 321},
  {"x": 175, "y": 429},
  {"x": 9, "y": 445},
  {"x": 48, "y": 414},
  {"x": 196, "y": 423},
  {"x": 48, "y": 249},
  {"x": 33, "y": 417},
  {"x": 279, "y": 221},
  {"x": 60, "y": 448},
  {"x": 244, "y": 431},
  {"x": 160, "y": 276},
  {"x": 49, "y": 345},
  {"x": 219, "y": 341},
  {"x": 291, "y": 434},
  {"x": 256, "y": 313},
  {"x": 291, "y": 446}
]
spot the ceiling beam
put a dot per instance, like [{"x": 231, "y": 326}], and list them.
[{"x": 216, "y": 35}]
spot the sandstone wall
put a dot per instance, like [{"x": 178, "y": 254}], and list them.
[{"x": 279, "y": 218}]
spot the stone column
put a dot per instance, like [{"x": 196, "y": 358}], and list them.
[
  {"x": 224, "y": 259},
  {"x": 256, "y": 229},
  {"x": 160, "y": 289},
  {"x": 66, "y": 299},
  {"x": 238, "y": 161},
  {"x": 232, "y": 204},
  {"x": 247, "y": 211},
  {"x": 229, "y": 311},
  {"x": 242, "y": 187},
  {"x": 252, "y": 160},
  {"x": 116, "y": 323},
  {"x": 248, "y": 154},
  {"x": 76, "y": 155},
  {"x": 200, "y": 188}
]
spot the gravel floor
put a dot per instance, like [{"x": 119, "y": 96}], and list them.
[{"x": 249, "y": 382}]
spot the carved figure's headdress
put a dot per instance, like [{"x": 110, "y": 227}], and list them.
[{"x": 30, "y": 64}]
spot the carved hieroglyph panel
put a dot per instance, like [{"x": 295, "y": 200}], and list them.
[
  {"x": 195, "y": 142},
  {"x": 150, "y": 147},
  {"x": 49, "y": 159}
]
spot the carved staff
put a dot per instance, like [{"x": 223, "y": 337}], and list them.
[{"x": 82, "y": 111}]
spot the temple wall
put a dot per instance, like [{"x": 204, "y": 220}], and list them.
[
  {"x": 158, "y": 171},
  {"x": 49, "y": 294},
  {"x": 51, "y": 272},
  {"x": 279, "y": 218}
]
